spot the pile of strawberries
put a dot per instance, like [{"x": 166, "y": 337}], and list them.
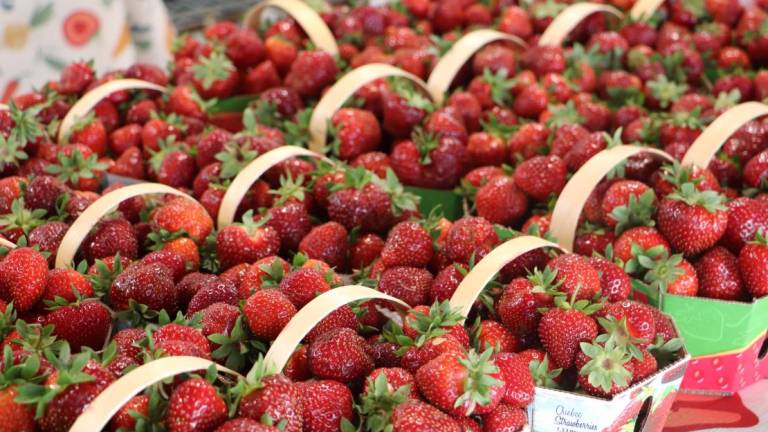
[{"x": 156, "y": 278}]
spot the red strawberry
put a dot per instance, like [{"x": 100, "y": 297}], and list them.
[
  {"x": 718, "y": 272},
  {"x": 18, "y": 417},
  {"x": 185, "y": 101},
  {"x": 311, "y": 72},
  {"x": 518, "y": 306},
  {"x": 356, "y": 132},
  {"x": 214, "y": 76},
  {"x": 576, "y": 276},
  {"x": 43, "y": 191},
  {"x": 212, "y": 291},
  {"x": 627, "y": 203},
  {"x": 517, "y": 378},
  {"x": 643, "y": 237},
  {"x": 245, "y": 425},
  {"x": 505, "y": 418},
  {"x": 267, "y": 312},
  {"x": 615, "y": 285},
  {"x": 195, "y": 405},
  {"x": 366, "y": 250},
  {"x": 90, "y": 132},
  {"x": 73, "y": 394},
  {"x": 604, "y": 371},
  {"x": 148, "y": 284},
  {"x": 410, "y": 284},
  {"x": 746, "y": 216},
  {"x": 395, "y": 378},
  {"x": 138, "y": 404},
  {"x": 343, "y": 317},
  {"x": 541, "y": 176},
  {"x": 644, "y": 367},
  {"x": 129, "y": 164},
  {"x": 302, "y": 285},
  {"x": 756, "y": 170},
  {"x": 325, "y": 404},
  {"x": 182, "y": 333},
  {"x": 23, "y": 276},
  {"x": 443, "y": 382},
  {"x": 445, "y": 283},
  {"x": 470, "y": 237},
  {"x": 75, "y": 78},
  {"x": 63, "y": 282},
  {"x": 752, "y": 265},
  {"x": 562, "y": 330},
  {"x": 500, "y": 201},
  {"x": 181, "y": 213},
  {"x": 414, "y": 415},
  {"x": 486, "y": 149},
  {"x": 408, "y": 244},
  {"x": 327, "y": 242},
  {"x": 273, "y": 396},
  {"x": 246, "y": 242},
  {"x": 692, "y": 220},
  {"x": 493, "y": 335},
  {"x": 83, "y": 323}
]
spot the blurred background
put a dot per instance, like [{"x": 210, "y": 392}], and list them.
[{"x": 39, "y": 37}]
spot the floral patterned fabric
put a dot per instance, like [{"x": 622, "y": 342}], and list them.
[{"x": 39, "y": 37}]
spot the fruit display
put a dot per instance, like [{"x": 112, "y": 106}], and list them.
[{"x": 413, "y": 216}]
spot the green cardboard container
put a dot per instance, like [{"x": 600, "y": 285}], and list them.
[
  {"x": 451, "y": 204},
  {"x": 726, "y": 339}
]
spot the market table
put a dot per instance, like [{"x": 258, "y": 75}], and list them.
[{"x": 746, "y": 411}]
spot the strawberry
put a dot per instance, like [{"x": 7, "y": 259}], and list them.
[
  {"x": 85, "y": 323},
  {"x": 111, "y": 237},
  {"x": 518, "y": 306},
  {"x": 643, "y": 368},
  {"x": 355, "y": 131},
  {"x": 125, "y": 417},
  {"x": 302, "y": 285},
  {"x": 541, "y": 176},
  {"x": 212, "y": 291},
  {"x": 756, "y": 170},
  {"x": 23, "y": 276},
  {"x": 182, "y": 333},
  {"x": 43, "y": 191},
  {"x": 718, "y": 272},
  {"x": 644, "y": 238},
  {"x": 214, "y": 76},
  {"x": 445, "y": 283},
  {"x": 627, "y": 203},
  {"x": 531, "y": 102},
  {"x": 639, "y": 318},
  {"x": 505, "y": 418},
  {"x": 419, "y": 416},
  {"x": 615, "y": 285},
  {"x": 343, "y": 317},
  {"x": 19, "y": 418},
  {"x": 267, "y": 312},
  {"x": 326, "y": 403},
  {"x": 195, "y": 405},
  {"x": 90, "y": 132},
  {"x": 361, "y": 202},
  {"x": 129, "y": 164},
  {"x": 673, "y": 275},
  {"x": 311, "y": 72},
  {"x": 410, "y": 284},
  {"x": 692, "y": 220},
  {"x": 486, "y": 149},
  {"x": 245, "y": 425},
  {"x": 366, "y": 250},
  {"x": 157, "y": 129},
  {"x": 47, "y": 238},
  {"x": 64, "y": 283},
  {"x": 327, "y": 242},
  {"x": 172, "y": 164},
  {"x": 148, "y": 284},
  {"x": 10, "y": 190},
  {"x": 604, "y": 370},
  {"x": 516, "y": 21},
  {"x": 75, "y": 78},
  {"x": 493, "y": 335},
  {"x": 181, "y": 213},
  {"x": 408, "y": 244},
  {"x": 264, "y": 395},
  {"x": 246, "y": 242},
  {"x": 462, "y": 385},
  {"x": 750, "y": 258},
  {"x": 517, "y": 378},
  {"x": 339, "y": 354},
  {"x": 575, "y": 276},
  {"x": 470, "y": 237},
  {"x": 563, "y": 328},
  {"x": 501, "y": 202}
]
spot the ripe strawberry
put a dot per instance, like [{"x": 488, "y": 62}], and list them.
[
  {"x": 246, "y": 242},
  {"x": 505, "y": 418},
  {"x": 493, "y": 335},
  {"x": 182, "y": 333},
  {"x": 408, "y": 244},
  {"x": 486, "y": 149},
  {"x": 148, "y": 284},
  {"x": 576, "y": 276},
  {"x": 75, "y": 78},
  {"x": 718, "y": 272},
  {"x": 414, "y": 415},
  {"x": 499, "y": 201},
  {"x": 355, "y": 131},
  {"x": 90, "y": 132},
  {"x": 267, "y": 312},
  {"x": 518, "y": 306},
  {"x": 311, "y": 72},
  {"x": 561, "y": 330},
  {"x": 125, "y": 417},
  {"x": 195, "y": 405},
  {"x": 470, "y": 237},
  {"x": 751, "y": 263},
  {"x": 367, "y": 249},
  {"x": 604, "y": 370},
  {"x": 18, "y": 417},
  {"x": 645, "y": 238},
  {"x": 64, "y": 282},
  {"x": 291, "y": 221},
  {"x": 302, "y": 285},
  {"x": 219, "y": 318},
  {"x": 82, "y": 323},
  {"x": 673, "y": 275},
  {"x": 627, "y": 203},
  {"x": 212, "y": 291},
  {"x": 245, "y": 425},
  {"x": 340, "y": 354},
  {"x": 517, "y": 378},
  {"x": 409, "y": 284},
  {"x": 43, "y": 191},
  {"x": 343, "y": 317},
  {"x": 73, "y": 392},
  {"x": 181, "y": 213},
  {"x": 327, "y": 242},
  {"x": 445, "y": 283},
  {"x": 692, "y": 220},
  {"x": 325, "y": 404},
  {"x": 172, "y": 164},
  {"x": 756, "y": 170},
  {"x": 23, "y": 276},
  {"x": 362, "y": 204},
  {"x": 394, "y": 379},
  {"x": 443, "y": 382},
  {"x": 615, "y": 284},
  {"x": 155, "y": 130},
  {"x": 643, "y": 368},
  {"x": 541, "y": 176},
  {"x": 214, "y": 76}
]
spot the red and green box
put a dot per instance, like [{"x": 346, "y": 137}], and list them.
[{"x": 726, "y": 340}]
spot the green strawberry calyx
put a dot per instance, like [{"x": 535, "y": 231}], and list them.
[
  {"x": 377, "y": 404},
  {"x": 606, "y": 366},
  {"x": 479, "y": 380}
]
